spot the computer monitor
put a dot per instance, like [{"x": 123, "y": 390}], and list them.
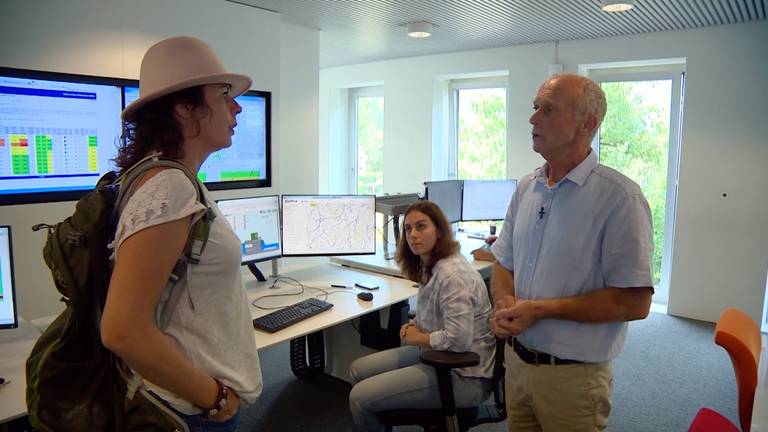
[
  {"x": 486, "y": 200},
  {"x": 58, "y": 134},
  {"x": 447, "y": 195},
  {"x": 247, "y": 162},
  {"x": 329, "y": 225},
  {"x": 256, "y": 221},
  {"x": 8, "y": 315}
]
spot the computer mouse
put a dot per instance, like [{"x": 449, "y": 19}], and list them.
[{"x": 365, "y": 296}]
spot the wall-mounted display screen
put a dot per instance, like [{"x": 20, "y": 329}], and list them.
[
  {"x": 246, "y": 163},
  {"x": 58, "y": 134}
]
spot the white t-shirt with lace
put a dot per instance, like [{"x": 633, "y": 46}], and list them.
[{"x": 211, "y": 324}]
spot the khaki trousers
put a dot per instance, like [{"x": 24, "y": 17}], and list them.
[{"x": 567, "y": 398}]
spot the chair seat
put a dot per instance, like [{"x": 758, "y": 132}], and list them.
[{"x": 709, "y": 420}]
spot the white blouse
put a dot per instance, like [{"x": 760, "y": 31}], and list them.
[
  {"x": 211, "y": 324},
  {"x": 455, "y": 309}
]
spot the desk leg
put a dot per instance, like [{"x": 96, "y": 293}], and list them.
[
  {"x": 342, "y": 343},
  {"x": 308, "y": 355}
]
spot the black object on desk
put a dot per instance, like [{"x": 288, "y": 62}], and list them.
[{"x": 292, "y": 314}]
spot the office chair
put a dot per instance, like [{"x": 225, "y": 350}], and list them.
[
  {"x": 740, "y": 336},
  {"x": 449, "y": 418}
]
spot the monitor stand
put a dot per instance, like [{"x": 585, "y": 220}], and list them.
[
  {"x": 259, "y": 275},
  {"x": 256, "y": 272}
]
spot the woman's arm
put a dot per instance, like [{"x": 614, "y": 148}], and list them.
[
  {"x": 142, "y": 268},
  {"x": 128, "y": 326}
]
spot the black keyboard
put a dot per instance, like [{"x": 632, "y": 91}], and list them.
[{"x": 292, "y": 314}]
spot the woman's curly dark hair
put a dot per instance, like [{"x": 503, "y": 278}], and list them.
[
  {"x": 155, "y": 127},
  {"x": 410, "y": 263}
]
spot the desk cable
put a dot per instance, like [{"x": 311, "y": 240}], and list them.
[{"x": 296, "y": 283}]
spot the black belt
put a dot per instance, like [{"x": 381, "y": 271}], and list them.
[{"x": 536, "y": 357}]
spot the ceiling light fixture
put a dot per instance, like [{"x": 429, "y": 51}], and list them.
[
  {"x": 617, "y": 5},
  {"x": 419, "y": 29}
]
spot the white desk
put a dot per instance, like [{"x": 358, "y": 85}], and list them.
[
  {"x": 15, "y": 346},
  {"x": 379, "y": 264},
  {"x": 346, "y": 305},
  {"x": 340, "y": 340},
  {"x": 760, "y": 405}
]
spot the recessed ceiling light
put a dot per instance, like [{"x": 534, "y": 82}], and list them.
[
  {"x": 419, "y": 29},
  {"x": 617, "y": 5}
]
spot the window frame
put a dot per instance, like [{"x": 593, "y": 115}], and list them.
[
  {"x": 352, "y": 148},
  {"x": 454, "y": 88},
  {"x": 664, "y": 69}
]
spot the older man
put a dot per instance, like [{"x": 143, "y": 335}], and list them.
[{"x": 573, "y": 266}]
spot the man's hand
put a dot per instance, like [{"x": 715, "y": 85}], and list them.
[
  {"x": 517, "y": 318},
  {"x": 502, "y": 328}
]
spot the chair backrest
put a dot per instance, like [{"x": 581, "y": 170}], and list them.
[{"x": 740, "y": 336}]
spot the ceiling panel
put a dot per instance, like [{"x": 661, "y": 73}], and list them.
[{"x": 358, "y": 31}]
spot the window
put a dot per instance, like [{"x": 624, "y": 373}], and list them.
[
  {"x": 640, "y": 137},
  {"x": 478, "y": 135},
  {"x": 366, "y": 140}
]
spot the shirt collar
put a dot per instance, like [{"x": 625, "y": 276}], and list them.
[{"x": 577, "y": 175}]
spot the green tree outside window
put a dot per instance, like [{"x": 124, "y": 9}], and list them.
[
  {"x": 370, "y": 145},
  {"x": 634, "y": 140},
  {"x": 482, "y": 134}
]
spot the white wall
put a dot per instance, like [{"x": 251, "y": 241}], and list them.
[
  {"x": 721, "y": 243},
  {"x": 299, "y": 87},
  {"x": 109, "y": 38}
]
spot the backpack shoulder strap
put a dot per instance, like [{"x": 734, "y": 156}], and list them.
[{"x": 198, "y": 235}]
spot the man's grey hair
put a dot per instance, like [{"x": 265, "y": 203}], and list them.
[{"x": 589, "y": 99}]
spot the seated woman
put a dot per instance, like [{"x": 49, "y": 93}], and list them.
[{"x": 453, "y": 315}]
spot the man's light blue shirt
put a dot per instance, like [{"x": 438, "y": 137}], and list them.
[{"x": 589, "y": 231}]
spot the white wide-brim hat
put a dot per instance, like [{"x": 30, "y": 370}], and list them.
[{"x": 178, "y": 63}]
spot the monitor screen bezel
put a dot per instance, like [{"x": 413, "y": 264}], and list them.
[
  {"x": 282, "y": 224},
  {"x": 464, "y": 189},
  {"x": 57, "y": 196},
  {"x": 279, "y": 228},
  {"x": 461, "y": 197},
  {"x": 15, "y": 323}
]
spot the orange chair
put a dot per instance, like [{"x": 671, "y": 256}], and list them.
[
  {"x": 709, "y": 420},
  {"x": 740, "y": 336}
]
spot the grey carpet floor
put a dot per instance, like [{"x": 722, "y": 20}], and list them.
[{"x": 670, "y": 367}]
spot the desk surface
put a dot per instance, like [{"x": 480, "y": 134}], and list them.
[
  {"x": 378, "y": 263},
  {"x": 16, "y": 345},
  {"x": 346, "y": 305},
  {"x": 760, "y": 405}
]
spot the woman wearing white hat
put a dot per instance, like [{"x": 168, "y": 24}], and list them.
[{"x": 205, "y": 361}]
